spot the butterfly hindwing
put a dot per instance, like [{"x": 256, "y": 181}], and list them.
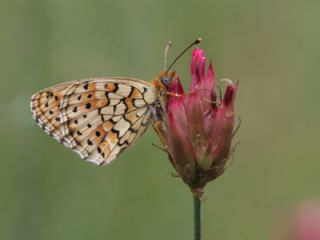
[{"x": 98, "y": 118}]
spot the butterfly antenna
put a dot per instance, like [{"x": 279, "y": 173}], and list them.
[
  {"x": 166, "y": 55},
  {"x": 197, "y": 41}
]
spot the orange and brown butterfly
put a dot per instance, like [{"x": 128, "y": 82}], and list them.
[{"x": 100, "y": 117}]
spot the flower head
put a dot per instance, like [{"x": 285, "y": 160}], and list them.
[{"x": 200, "y": 125}]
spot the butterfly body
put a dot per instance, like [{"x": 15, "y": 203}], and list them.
[{"x": 98, "y": 118}]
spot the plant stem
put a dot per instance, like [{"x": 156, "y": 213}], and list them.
[{"x": 197, "y": 217}]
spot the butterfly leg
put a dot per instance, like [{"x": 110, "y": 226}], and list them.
[
  {"x": 173, "y": 94},
  {"x": 157, "y": 126}
]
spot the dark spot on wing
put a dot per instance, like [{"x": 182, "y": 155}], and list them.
[{"x": 88, "y": 105}]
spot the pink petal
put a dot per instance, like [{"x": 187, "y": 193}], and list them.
[
  {"x": 198, "y": 67},
  {"x": 223, "y": 123},
  {"x": 229, "y": 95},
  {"x": 210, "y": 78},
  {"x": 182, "y": 155},
  {"x": 175, "y": 86}
]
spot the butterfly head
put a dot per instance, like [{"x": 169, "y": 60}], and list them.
[
  {"x": 165, "y": 80},
  {"x": 162, "y": 81},
  {"x": 166, "y": 77}
]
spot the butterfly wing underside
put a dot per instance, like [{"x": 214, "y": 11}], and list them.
[{"x": 97, "y": 118}]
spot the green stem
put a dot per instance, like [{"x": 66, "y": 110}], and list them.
[{"x": 197, "y": 217}]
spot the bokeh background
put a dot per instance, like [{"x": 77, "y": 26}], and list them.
[{"x": 271, "y": 47}]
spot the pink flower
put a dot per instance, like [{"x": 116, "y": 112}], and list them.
[
  {"x": 305, "y": 225},
  {"x": 200, "y": 125}
]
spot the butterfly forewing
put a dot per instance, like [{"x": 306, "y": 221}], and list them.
[{"x": 97, "y": 118}]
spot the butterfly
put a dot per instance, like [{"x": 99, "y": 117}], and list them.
[{"x": 98, "y": 118}]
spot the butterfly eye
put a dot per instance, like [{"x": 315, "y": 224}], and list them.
[{"x": 165, "y": 80}]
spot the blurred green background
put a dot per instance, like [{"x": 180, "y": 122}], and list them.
[{"x": 271, "y": 47}]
